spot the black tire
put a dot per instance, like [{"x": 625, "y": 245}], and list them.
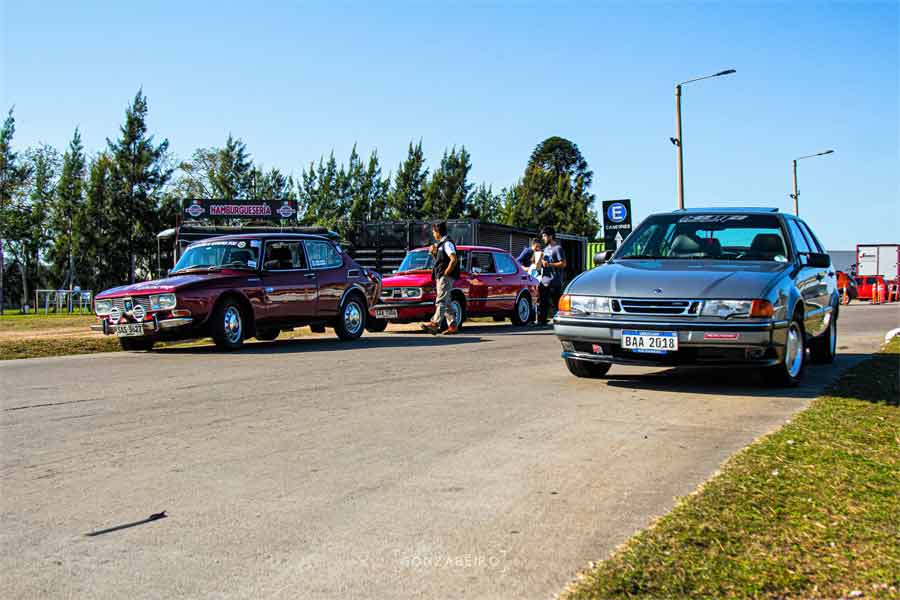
[
  {"x": 590, "y": 370},
  {"x": 267, "y": 335},
  {"x": 789, "y": 371},
  {"x": 523, "y": 311},
  {"x": 351, "y": 320},
  {"x": 823, "y": 348},
  {"x": 459, "y": 306},
  {"x": 374, "y": 325},
  {"x": 136, "y": 344},
  {"x": 227, "y": 325}
]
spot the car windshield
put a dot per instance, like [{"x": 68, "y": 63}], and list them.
[
  {"x": 707, "y": 237},
  {"x": 418, "y": 260},
  {"x": 232, "y": 254}
]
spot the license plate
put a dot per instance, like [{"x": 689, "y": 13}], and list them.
[
  {"x": 386, "y": 313},
  {"x": 129, "y": 329},
  {"x": 651, "y": 342}
]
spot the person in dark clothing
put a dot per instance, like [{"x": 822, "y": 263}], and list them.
[
  {"x": 554, "y": 263},
  {"x": 524, "y": 257}
]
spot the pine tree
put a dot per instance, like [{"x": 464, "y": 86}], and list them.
[
  {"x": 407, "y": 199},
  {"x": 68, "y": 202},
  {"x": 230, "y": 177},
  {"x": 447, "y": 194},
  {"x": 321, "y": 193},
  {"x": 14, "y": 230},
  {"x": 101, "y": 245},
  {"x": 485, "y": 205},
  {"x": 140, "y": 172},
  {"x": 367, "y": 189},
  {"x": 554, "y": 190}
]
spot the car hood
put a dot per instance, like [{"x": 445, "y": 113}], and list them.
[
  {"x": 407, "y": 280},
  {"x": 684, "y": 279},
  {"x": 169, "y": 284}
]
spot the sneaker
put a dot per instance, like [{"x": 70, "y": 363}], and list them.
[
  {"x": 451, "y": 330},
  {"x": 431, "y": 327}
]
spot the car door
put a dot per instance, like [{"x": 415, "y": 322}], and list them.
[
  {"x": 327, "y": 264},
  {"x": 807, "y": 280},
  {"x": 289, "y": 286},
  {"x": 481, "y": 276},
  {"x": 826, "y": 288},
  {"x": 509, "y": 279}
]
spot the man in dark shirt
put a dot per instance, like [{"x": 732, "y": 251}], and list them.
[{"x": 554, "y": 263}]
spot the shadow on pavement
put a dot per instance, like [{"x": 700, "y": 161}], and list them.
[
  {"x": 330, "y": 345},
  {"x": 735, "y": 381}
]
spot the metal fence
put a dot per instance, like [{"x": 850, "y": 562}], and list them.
[{"x": 57, "y": 301}]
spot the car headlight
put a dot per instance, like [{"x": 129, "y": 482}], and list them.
[
  {"x": 102, "y": 307},
  {"x": 411, "y": 292},
  {"x": 162, "y": 301},
  {"x": 587, "y": 305},
  {"x": 726, "y": 309}
]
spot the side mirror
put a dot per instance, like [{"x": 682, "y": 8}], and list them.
[
  {"x": 818, "y": 260},
  {"x": 602, "y": 257}
]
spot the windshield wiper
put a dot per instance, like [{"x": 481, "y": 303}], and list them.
[
  {"x": 643, "y": 256},
  {"x": 230, "y": 266},
  {"x": 191, "y": 268}
]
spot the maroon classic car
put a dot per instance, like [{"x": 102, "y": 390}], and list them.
[
  {"x": 240, "y": 286},
  {"x": 491, "y": 284}
]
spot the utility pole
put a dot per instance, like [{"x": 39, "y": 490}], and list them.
[{"x": 796, "y": 194}]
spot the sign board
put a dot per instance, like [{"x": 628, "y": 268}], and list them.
[
  {"x": 616, "y": 222},
  {"x": 198, "y": 209}
]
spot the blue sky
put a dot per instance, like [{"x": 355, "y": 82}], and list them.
[{"x": 295, "y": 80}]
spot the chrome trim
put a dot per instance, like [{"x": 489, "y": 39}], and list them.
[
  {"x": 665, "y": 325},
  {"x": 656, "y": 307},
  {"x": 403, "y": 304},
  {"x": 151, "y": 326}
]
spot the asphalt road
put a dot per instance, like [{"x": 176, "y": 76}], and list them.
[{"x": 402, "y": 466}]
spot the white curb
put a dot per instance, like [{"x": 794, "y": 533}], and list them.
[{"x": 890, "y": 334}]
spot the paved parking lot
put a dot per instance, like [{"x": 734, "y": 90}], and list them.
[{"x": 401, "y": 466}]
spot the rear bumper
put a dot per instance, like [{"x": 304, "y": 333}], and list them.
[
  {"x": 699, "y": 343},
  {"x": 153, "y": 327}
]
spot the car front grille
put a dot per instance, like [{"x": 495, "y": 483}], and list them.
[
  {"x": 657, "y": 308},
  {"x": 120, "y": 303}
]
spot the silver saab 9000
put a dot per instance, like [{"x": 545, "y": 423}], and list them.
[{"x": 748, "y": 287}]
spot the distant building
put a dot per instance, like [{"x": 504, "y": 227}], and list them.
[{"x": 841, "y": 260}]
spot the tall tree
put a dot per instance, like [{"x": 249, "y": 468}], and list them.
[
  {"x": 321, "y": 193},
  {"x": 14, "y": 176},
  {"x": 140, "y": 172},
  {"x": 554, "y": 190},
  {"x": 64, "y": 214},
  {"x": 225, "y": 172},
  {"x": 447, "y": 194},
  {"x": 485, "y": 205},
  {"x": 101, "y": 247},
  {"x": 368, "y": 191},
  {"x": 407, "y": 199}
]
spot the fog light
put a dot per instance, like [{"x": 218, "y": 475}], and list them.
[{"x": 568, "y": 346}]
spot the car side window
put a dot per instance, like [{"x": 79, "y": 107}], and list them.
[
  {"x": 283, "y": 256},
  {"x": 811, "y": 238},
  {"x": 483, "y": 261},
  {"x": 800, "y": 244},
  {"x": 505, "y": 264},
  {"x": 323, "y": 255}
]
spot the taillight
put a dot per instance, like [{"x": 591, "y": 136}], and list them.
[{"x": 762, "y": 308}]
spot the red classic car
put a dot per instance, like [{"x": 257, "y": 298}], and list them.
[
  {"x": 240, "y": 286},
  {"x": 867, "y": 284},
  {"x": 491, "y": 284}
]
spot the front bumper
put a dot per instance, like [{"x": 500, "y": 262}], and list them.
[
  {"x": 153, "y": 327},
  {"x": 407, "y": 312},
  {"x": 700, "y": 343}
]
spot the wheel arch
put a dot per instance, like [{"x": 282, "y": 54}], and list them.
[{"x": 246, "y": 310}]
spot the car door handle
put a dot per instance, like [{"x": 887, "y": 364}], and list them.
[
  {"x": 498, "y": 279},
  {"x": 820, "y": 276},
  {"x": 310, "y": 275}
]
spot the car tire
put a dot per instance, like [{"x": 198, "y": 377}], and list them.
[
  {"x": 590, "y": 370},
  {"x": 375, "y": 325},
  {"x": 136, "y": 344},
  {"x": 351, "y": 319},
  {"x": 459, "y": 307},
  {"x": 523, "y": 311},
  {"x": 227, "y": 326},
  {"x": 824, "y": 348},
  {"x": 789, "y": 371},
  {"x": 267, "y": 335}
]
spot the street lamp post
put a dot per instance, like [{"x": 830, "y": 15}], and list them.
[
  {"x": 796, "y": 194},
  {"x": 678, "y": 140}
]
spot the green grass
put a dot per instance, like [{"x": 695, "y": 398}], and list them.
[
  {"x": 40, "y": 322},
  {"x": 38, "y": 347},
  {"x": 810, "y": 511}
]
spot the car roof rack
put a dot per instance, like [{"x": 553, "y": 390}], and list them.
[{"x": 730, "y": 209}]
